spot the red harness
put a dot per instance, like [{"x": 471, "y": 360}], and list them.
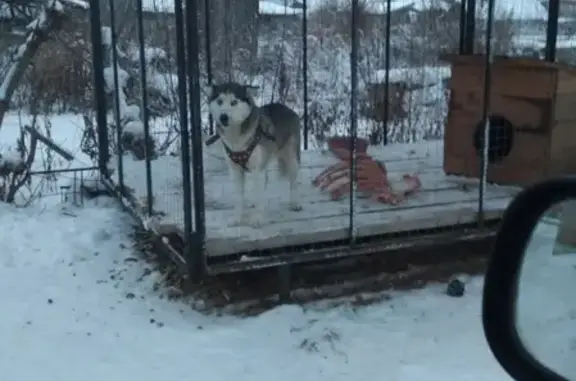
[{"x": 241, "y": 158}]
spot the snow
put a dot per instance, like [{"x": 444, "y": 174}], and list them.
[
  {"x": 129, "y": 114},
  {"x": 106, "y": 33},
  {"x": 10, "y": 159},
  {"x": 279, "y": 7},
  {"x": 82, "y": 305},
  {"x": 158, "y": 5},
  {"x": 424, "y": 75},
  {"x": 66, "y": 133},
  {"x": 134, "y": 128},
  {"x": 71, "y": 282},
  {"x": 150, "y": 53},
  {"x": 519, "y": 10},
  {"x": 522, "y": 9},
  {"x": 78, "y": 309},
  {"x": 377, "y": 7},
  {"x": 123, "y": 78},
  {"x": 272, "y": 8}
]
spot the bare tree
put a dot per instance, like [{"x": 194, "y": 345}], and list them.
[{"x": 28, "y": 24}]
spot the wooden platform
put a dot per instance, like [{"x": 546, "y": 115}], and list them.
[{"x": 443, "y": 201}]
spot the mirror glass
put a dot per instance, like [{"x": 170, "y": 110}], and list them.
[{"x": 546, "y": 304}]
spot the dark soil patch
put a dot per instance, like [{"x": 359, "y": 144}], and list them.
[{"x": 357, "y": 281}]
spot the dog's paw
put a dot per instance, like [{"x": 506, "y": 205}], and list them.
[{"x": 295, "y": 206}]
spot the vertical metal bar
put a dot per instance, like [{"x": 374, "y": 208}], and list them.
[
  {"x": 145, "y": 111},
  {"x": 470, "y": 26},
  {"x": 82, "y": 188},
  {"x": 184, "y": 135},
  {"x": 488, "y": 60},
  {"x": 197, "y": 263},
  {"x": 117, "y": 119},
  {"x": 387, "y": 72},
  {"x": 353, "y": 116},
  {"x": 208, "y": 51},
  {"x": 75, "y": 189},
  {"x": 305, "y": 69},
  {"x": 99, "y": 88},
  {"x": 552, "y": 30},
  {"x": 227, "y": 44},
  {"x": 462, "y": 28}
]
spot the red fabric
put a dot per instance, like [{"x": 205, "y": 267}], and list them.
[{"x": 371, "y": 175}]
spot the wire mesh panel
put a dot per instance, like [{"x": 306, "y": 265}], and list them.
[
  {"x": 403, "y": 101},
  {"x": 259, "y": 128},
  {"x": 143, "y": 74},
  {"x": 513, "y": 131},
  {"x": 253, "y": 187},
  {"x": 518, "y": 28}
]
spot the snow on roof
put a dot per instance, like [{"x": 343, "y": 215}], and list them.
[
  {"x": 265, "y": 7},
  {"x": 273, "y": 8},
  {"x": 278, "y": 7},
  {"x": 518, "y": 10},
  {"x": 158, "y": 5},
  {"x": 372, "y": 6}
]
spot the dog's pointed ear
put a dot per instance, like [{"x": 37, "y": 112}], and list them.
[{"x": 252, "y": 91}]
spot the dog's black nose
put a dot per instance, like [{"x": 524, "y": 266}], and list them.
[{"x": 224, "y": 119}]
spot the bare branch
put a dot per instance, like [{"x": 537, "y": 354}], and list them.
[
  {"x": 49, "y": 20},
  {"x": 50, "y": 143}
]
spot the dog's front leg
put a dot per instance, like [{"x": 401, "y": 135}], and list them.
[
  {"x": 259, "y": 216},
  {"x": 238, "y": 177}
]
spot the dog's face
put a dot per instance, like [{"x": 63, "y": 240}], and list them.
[{"x": 230, "y": 104}]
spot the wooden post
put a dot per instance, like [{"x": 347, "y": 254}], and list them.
[{"x": 566, "y": 238}]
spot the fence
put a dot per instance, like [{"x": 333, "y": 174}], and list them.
[{"x": 362, "y": 76}]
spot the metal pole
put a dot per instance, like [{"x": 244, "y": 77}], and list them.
[
  {"x": 208, "y": 51},
  {"x": 117, "y": 119},
  {"x": 145, "y": 111},
  {"x": 470, "y": 26},
  {"x": 462, "y": 28},
  {"x": 99, "y": 88},
  {"x": 353, "y": 116},
  {"x": 552, "y": 30},
  {"x": 488, "y": 61},
  {"x": 387, "y": 72},
  {"x": 184, "y": 135},
  {"x": 305, "y": 69},
  {"x": 197, "y": 260}
]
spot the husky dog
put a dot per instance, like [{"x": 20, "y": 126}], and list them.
[{"x": 252, "y": 137}]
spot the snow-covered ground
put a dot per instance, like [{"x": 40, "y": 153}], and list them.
[
  {"x": 78, "y": 303},
  {"x": 77, "y": 306}
]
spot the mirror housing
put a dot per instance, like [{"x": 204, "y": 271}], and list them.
[{"x": 502, "y": 278}]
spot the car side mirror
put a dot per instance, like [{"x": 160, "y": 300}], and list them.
[{"x": 529, "y": 300}]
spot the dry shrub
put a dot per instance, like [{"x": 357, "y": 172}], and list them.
[
  {"x": 60, "y": 78},
  {"x": 336, "y": 17}
]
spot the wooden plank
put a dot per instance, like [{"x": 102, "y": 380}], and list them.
[
  {"x": 435, "y": 190},
  {"x": 219, "y": 204},
  {"x": 320, "y": 217},
  {"x": 441, "y": 202},
  {"x": 335, "y": 228},
  {"x": 220, "y": 192}
]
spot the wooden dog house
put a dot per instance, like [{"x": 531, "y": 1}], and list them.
[{"x": 532, "y": 119}]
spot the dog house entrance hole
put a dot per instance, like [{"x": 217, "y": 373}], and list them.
[{"x": 500, "y": 141}]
